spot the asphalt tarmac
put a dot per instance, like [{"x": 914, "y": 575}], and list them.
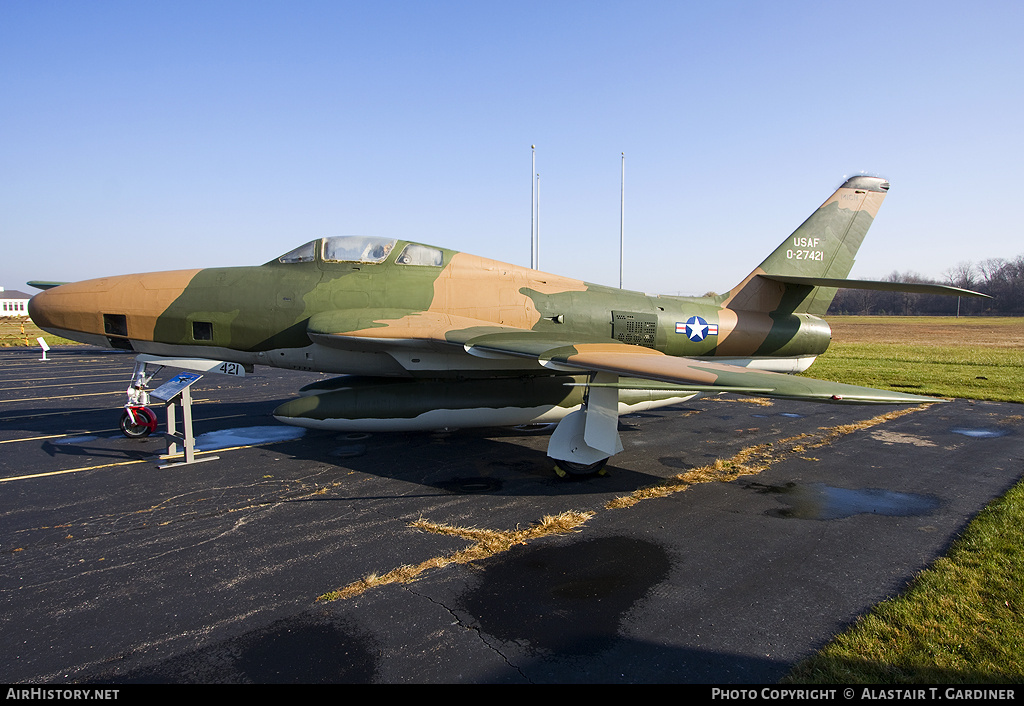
[{"x": 117, "y": 571}]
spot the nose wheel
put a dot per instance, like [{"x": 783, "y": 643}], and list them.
[{"x": 137, "y": 422}]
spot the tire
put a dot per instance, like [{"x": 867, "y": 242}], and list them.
[
  {"x": 138, "y": 430},
  {"x": 579, "y": 471}
]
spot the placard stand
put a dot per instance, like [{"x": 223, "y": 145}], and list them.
[{"x": 175, "y": 392}]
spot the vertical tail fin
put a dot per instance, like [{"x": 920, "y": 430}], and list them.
[{"x": 824, "y": 246}]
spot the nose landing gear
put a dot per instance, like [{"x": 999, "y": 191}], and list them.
[{"x": 138, "y": 420}]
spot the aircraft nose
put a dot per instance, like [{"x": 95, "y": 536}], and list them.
[
  {"x": 109, "y": 311},
  {"x": 40, "y": 309},
  {"x": 58, "y": 311},
  {"x": 82, "y": 311}
]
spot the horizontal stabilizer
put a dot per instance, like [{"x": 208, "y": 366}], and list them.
[{"x": 911, "y": 287}]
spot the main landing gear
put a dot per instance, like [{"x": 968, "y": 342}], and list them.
[{"x": 584, "y": 440}]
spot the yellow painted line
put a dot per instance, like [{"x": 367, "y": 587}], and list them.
[
  {"x": 97, "y": 410},
  {"x": 217, "y": 451},
  {"x": 63, "y": 384},
  {"x": 53, "y": 414},
  {"x": 56, "y": 436},
  {"x": 88, "y": 433},
  {"x": 129, "y": 463},
  {"x": 87, "y": 394},
  {"x": 66, "y": 397},
  {"x": 71, "y": 377},
  {"x": 63, "y": 364},
  {"x": 71, "y": 470}
]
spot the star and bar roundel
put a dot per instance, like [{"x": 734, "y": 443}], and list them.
[{"x": 696, "y": 328}]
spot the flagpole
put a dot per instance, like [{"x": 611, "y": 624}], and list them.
[
  {"x": 533, "y": 209},
  {"x": 622, "y": 217}
]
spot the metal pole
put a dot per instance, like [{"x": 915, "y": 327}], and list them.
[
  {"x": 537, "y": 265},
  {"x": 533, "y": 209},
  {"x": 622, "y": 217}
]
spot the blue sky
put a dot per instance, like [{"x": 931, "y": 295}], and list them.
[{"x": 142, "y": 136}]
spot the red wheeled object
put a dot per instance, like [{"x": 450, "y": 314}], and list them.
[{"x": 137, "y": 421}]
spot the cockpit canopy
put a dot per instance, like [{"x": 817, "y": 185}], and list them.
[{"x": 362, "y": 248}]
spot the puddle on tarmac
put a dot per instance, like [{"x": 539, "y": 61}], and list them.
[
  {"x": 247, "y": 436},
  {"x": 673, "y": 462},
  {"x": 817, "y": 501},
  {"x": 302, "y": 649},
  {"x": 566, "y": 600},
  {"x": 980, "y": 433},
  {"x": 471, "y": 486},
  {"x": 538, "y": 428},
  {"x": 348, "y": 451}
]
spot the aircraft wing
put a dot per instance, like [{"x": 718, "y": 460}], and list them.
[
  {"x": 383, "y": 329},
  {"x": 686, "y": 373}
]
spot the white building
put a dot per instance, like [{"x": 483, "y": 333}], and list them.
[{"x": 13, "y": 302}]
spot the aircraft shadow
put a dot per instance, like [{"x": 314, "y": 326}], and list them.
[{"x": 494, "y": 460}]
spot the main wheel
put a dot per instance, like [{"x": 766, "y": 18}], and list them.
[
  {"x": 143, "y": 424},
  {"x": 576, "y": 471}
]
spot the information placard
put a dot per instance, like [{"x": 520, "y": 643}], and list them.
[{"x": 174, "y": 386}]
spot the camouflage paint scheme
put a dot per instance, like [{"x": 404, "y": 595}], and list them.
[{"x": 428, "y": 337}]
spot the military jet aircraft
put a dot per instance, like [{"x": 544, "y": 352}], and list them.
[{"x": 429, "y": 338}]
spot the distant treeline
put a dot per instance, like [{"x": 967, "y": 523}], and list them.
[{"x": 1001, "y": 279}]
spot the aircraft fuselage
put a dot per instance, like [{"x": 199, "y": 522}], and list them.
[{"x": 262, "y": 315}]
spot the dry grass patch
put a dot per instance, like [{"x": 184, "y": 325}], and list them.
[
  {"x": 752, "y": 460},
  {"x": 938, "y": 331},
  {"x": 759, "y": 401},
  {"x": 486, "y": 543}
]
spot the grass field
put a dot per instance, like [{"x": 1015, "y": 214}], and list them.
[
  {"x": 20, "y": 331},
  {"x": 962, "y": 620},
  {"x": 976, "y": 358}
]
